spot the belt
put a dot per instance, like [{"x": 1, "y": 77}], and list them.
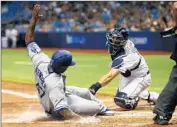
[{"x": 137, "y": 66}]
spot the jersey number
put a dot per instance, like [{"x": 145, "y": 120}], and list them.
[{"x": 40, "y": 90}]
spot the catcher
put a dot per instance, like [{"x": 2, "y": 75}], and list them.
[{"x": 134, "y": 73}]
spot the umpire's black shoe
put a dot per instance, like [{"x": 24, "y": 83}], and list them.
[{"x": 161, "y": 120}]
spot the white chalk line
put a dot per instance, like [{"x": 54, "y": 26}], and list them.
[
  {"x": 19, "y": 94},
  {"x": 29, "y": 64}
]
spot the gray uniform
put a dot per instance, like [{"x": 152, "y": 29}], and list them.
[
  {"x": 52, "y": 92},
  {"x": 134, "y": 85}
]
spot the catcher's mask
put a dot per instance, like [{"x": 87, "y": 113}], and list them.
[{"x": 117, "y": 37}]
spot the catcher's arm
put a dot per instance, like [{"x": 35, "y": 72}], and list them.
[
  {"x": 108, "y": 77},
  {"x": 104, "y": 80},
  {"x": 31, "y": 27}
]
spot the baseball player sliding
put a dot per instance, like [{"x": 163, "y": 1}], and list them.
[
  {"x": 134, "y": 73},
  {"x": 57, "y": 100}
]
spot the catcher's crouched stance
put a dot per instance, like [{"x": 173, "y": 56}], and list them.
[
  {"x": 135, "y": 75},
  {"x": 57, "y": 100}
]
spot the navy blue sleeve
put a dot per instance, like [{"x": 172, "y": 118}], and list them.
[{"x": 117, "y": 63}]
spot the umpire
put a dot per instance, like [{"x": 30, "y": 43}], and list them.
[{"x": 167, "y": 101}]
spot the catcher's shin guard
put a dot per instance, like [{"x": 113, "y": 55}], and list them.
[{"x": 123, "y": 101}]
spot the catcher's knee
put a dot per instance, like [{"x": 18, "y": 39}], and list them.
[{"x": 123, "y": 101}]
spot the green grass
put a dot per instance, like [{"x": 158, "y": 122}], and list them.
[{"x": 88, "y": 70}]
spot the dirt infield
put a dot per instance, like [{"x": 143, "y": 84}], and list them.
[{"x": 21, "y": 108}]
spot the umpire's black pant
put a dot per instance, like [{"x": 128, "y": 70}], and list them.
[{"x": 167, "y": 100}]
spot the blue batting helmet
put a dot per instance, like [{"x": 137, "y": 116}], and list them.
[
  {"x": 60, "y": 61},
  {"x": 117, "y": 36}
]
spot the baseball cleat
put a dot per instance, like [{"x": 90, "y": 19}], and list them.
[
  {"x": 107, "y": 112},
  {"x": 152, "y": 98},
  {"x": 151, "y": 102}
]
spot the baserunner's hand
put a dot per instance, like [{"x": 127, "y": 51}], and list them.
[
  {"x": 35, "y": 13},
  {"x": 31, "y": 27}
]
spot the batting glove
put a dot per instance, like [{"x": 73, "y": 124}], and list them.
[{"x": 94, "y": 88}]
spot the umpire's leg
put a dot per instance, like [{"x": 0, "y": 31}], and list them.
[{"x": 167, "y": 100}]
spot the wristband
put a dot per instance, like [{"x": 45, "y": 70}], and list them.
[{"x": 97, "y": 86}]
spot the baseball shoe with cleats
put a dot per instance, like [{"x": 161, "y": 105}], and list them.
[
  {"x": 151, "y": 102},
  {"x": 152, "y": 98},
  {"x": 107, "y": 112}
]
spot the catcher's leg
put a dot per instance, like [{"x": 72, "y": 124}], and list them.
[{"x": 128, "y": 96}]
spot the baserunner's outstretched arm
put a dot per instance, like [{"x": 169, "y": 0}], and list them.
[{"x": 31, "y": 27}]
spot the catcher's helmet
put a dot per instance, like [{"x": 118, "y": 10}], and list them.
[
  {"x": 117, "y": 36},
  {"x": 60, "y": 61}
]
